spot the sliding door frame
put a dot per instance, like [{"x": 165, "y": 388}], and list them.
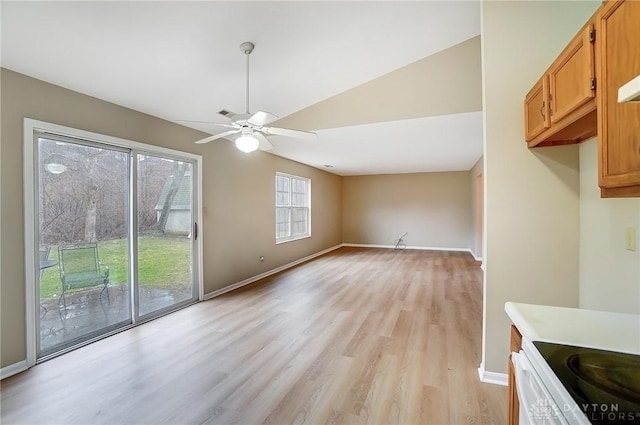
[
  {"x": 31, "y": 128},
  {"x": 197, "y": 291}
]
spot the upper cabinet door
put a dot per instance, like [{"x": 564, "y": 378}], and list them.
[
  {"x": 561, "y": 108},
  {"x": 618, "y": 123},
  {"x": 571, "y": 76},
  {"x": 536, "y": 109}
]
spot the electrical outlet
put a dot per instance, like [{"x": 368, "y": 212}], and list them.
[{"x": 630, "y": 239}]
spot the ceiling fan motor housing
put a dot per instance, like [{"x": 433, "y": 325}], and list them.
[
  {"x": 247, "y": 47},
  {"x": 240, "y": 118}
]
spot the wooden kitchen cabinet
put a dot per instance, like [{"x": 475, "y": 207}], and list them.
[
  {"x": 536, "y": 109},
  {"x": 560, "y": 109},
  {"x": 572, "y": 75},
  {"x": 618, "y": 58},
  {"x": 582, "y": 97},
  {"x": 513, "y": 402}
]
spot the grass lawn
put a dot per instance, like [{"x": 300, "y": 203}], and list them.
[{"x": 164, "y": 262}]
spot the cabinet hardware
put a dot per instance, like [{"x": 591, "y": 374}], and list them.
[
  {"x": 542, "y": 110},
  {"x": 592, "y": 35},
  {"x": 593, "y": 84}
]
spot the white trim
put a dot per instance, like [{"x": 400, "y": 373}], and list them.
[
  {"x": 475, "y": 256},
  {"x": 132, "y": 238},
  {"x": 200, "y": 226},
  {"x": 268, "y": 273},
  {"x": 425, "y": 248},
  {"x": 103, "y": 138},
  {"x": 13, "y": 369},
  {"x": 292, "y": 237},
  {"x": 478, "y": 259},
  {"x": 29, "y": 173},
  {"x": 492, "y": 377}
]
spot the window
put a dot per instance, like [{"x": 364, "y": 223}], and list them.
[{"x": 293, "y": 207}]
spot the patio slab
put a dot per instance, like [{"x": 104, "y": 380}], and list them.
[{"x": 88, "y": 312}]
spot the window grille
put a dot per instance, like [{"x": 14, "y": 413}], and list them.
[{"x": 293, "y": 209}]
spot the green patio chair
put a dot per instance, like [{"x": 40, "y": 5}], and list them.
[{"x": 80, "y": 267}]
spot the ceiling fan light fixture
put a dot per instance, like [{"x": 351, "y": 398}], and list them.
[{"x": 247, "y": 143}]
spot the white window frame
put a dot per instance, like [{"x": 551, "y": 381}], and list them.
[{"x": 290, "y": 207}]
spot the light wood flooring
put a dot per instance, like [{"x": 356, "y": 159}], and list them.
[{"x": 357, "y": 336}]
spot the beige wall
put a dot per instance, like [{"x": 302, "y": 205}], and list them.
[
  {"x": 434, "y": 208},
  {"x": 609, "y": 274},
  {"x": 532, "y": 196},
  {"x": 447, "y": 82},
  {"x": 237, "y": 191},
  {"x": 477, "y": 206}
]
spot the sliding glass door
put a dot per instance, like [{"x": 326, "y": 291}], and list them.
[
  {"x": 164, "y": 239},
  {"x": 83, "y": 261},
  {"x": 114, "y": 240}
]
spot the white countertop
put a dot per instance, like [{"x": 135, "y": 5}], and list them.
[
  {"x": 573, "y": 326},
  {"x": 630, "y": 92}
]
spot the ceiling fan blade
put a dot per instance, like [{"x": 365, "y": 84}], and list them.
[
  {"x": 217, "y": 136},
  {"x": 289, "y": 132},
  {"x": 265, "y": 144},
  {"x": 262, "y": 118}
]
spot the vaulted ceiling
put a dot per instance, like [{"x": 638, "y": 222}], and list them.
[{"x": 390, "y": 87}]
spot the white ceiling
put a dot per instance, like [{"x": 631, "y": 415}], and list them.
[{"x": 181, "y": 61}]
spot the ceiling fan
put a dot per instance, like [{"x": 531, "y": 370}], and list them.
[{"x": 252, "y": 129}]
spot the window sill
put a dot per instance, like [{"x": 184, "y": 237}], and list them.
[{"x": 295, "y": 238}]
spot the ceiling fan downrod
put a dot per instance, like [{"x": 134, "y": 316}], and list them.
[
  {"x": 246, "y": 48},
  {"x": 252, "y": 127}
]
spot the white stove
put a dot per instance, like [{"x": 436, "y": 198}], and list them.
[{"x": 563, "y": 384}]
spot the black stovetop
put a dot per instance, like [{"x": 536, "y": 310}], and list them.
[{"x": 604, "y": 384}]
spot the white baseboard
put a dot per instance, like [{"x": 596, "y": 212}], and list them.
[
  {"x": 242, "y": 283},
  {"x": 12, "y": 369},
  {"x": 478, "y": 259},
  {"x": 492, "y": 377},
  {"x": 475, "y": 256},
  {"x": 424, "y": 248}
]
